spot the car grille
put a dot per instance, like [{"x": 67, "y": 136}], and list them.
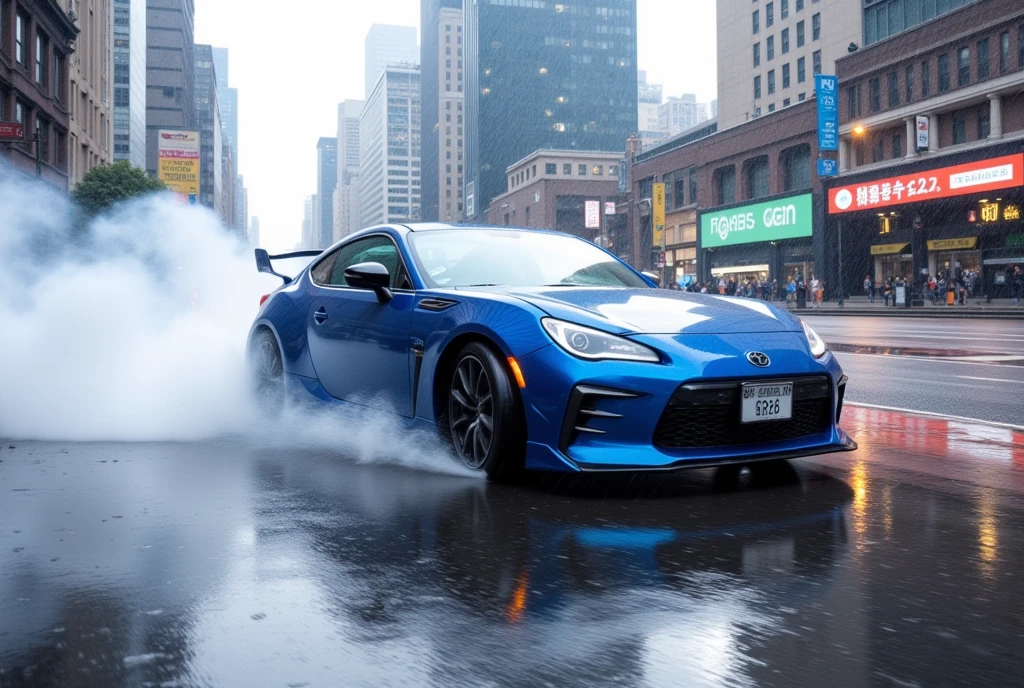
[{"x": 708, "y": 415}]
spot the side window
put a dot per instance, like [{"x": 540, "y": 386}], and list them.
[
  {"x": 377, "y": 249},
  {"x": 322, "y": 272}
]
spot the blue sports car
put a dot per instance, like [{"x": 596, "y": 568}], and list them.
[{"x": 537, "y": 350}]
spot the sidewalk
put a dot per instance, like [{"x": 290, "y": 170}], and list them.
[{"x": 861, "y": 305}]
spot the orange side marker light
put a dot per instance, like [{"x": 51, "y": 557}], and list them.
[{"x": 514, "y": 364}]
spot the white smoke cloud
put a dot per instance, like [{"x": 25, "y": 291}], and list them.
[{"x": 134, "y": 328}]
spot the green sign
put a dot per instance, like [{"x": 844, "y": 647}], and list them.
[
  {"x": 785, "y": 218},
  {"x": 1015, "y": 240}
]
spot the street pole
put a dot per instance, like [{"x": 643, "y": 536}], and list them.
[
  {"x": 842, "y": 289},
  {"x": 39, "y": 161}
]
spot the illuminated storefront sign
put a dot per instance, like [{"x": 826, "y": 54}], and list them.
[
  {"x": 888, "y": 249},
  {"x": 945, "y": 182},
  {"x": 963, "y": 243},
  {"x": 785, "y": 218}
]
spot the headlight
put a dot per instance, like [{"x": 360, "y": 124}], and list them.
[
  {"x": 596, "y": 345},
  {"x": 818, "y": 348}
]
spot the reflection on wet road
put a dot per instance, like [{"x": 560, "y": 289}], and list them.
[{"x": 184, "y": 564}]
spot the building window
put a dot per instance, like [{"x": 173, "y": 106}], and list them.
[
  {"x": 693, "y": 185},
  {"x": 816, "y": 26},
  {"x": 897, "y": 146},
  {"x": 771, "y": 107},
  {"x": 909, "y": 83},
  {"x": 786, "y": 102},
  {"x": 874, "y": 95},
  {"x": 853, "y": 101},
  {"x": 757, "y": 22},
  {"x": 20, "y": 36},
  {"x": 894, "y": 89},
  {"x": 800, "y": 34},
  {"x": 42, "y": 129},
  {"x": 785, "y": 41},
  {"x": 757, "y": 54},
  {"x": 41, "y": 49},
  {"x": 801, "y": 97},
  {"x": 567, "y": 169},
  {"x": 771, "y": 81},
  {"x": 757, "y": 177},
  {"x": 769, "y": 14},
  {"x": 757, "y": 87},
  {"x": 982, "y": 59},
  {"x": 784, "y": 9},
  {"x": 725, "y": 185},
  {"x": 598, "y": 170},
  {"x": 877, "y": 148},
  {"x": 582, "y": 170},
  {"x": 679, "y": 188},
  {"x": 1004, "y": 52},
  {"x": 816, "y": 57},
  {"x": 771, "y": 48},
  {"x": 785, "y": 75},
  {"x": 1020, "y": 45},
  {"x": 19, "y": 112},
  {"x": 799, "y": 5},
  {"x": 959, "y": 127},
  {"x": 801, "y": 70},
  {"x": 550, "y": 168},
  {"x": 796, "y": 168},
  {"x": 943, "y": 73},
  {"x": 963, "y": 64},
  {"x": 926, "y": 78},
  {"x": 984, "y": 123}
]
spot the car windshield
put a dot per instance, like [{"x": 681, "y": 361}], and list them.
[{"x": 482, "y": 257}]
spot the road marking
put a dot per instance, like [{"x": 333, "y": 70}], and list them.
[
  {"x": 990, "y": 379},
  {"x": 993, "y": 423},
  {"x": 931, "y": 359}
]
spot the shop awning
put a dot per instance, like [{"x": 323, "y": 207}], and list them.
[
  {"x": 735, "y": 269},
  {"x": 888, "y": 249},
  {"x": 961, "y": 244}
]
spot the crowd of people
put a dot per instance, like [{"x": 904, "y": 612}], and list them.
[
  {"x": 763, "y": 289},
  {"x": 962, "y": 284}
]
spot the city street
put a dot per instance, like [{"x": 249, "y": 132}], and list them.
[{"x": 230, "y": 563}]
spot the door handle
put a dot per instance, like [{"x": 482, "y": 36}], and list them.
[{"x": 320, "y": 316}]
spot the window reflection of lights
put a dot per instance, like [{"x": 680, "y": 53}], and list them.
[
  {"x": 561, "y": 99},
  {"x": 485, "y": 91},
  {"x": 559, "y": 8},
  {"x": 558, "y": 126},
  {"x": 543, "y": 70},
  {"x": 547, "y": 113},
  {"x": 487, "y": 71}
]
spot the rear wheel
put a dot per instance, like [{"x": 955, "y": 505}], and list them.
[
  {"x": 267, "y": 373},
  {"x": 484, "y": 419}
]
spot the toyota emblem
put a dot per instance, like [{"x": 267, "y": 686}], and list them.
[{"x": 759, "y": 359}]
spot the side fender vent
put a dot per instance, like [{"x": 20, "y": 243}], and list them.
[{"x": 436, "y": 305}]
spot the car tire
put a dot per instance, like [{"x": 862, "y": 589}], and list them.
[
  {"x": 484, "y": 422},
  {"x": 267, "y": 373}
]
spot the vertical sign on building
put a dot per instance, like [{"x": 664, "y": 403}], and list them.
[
  {"x": 922, "y": 133},
  {"x": 827, "y": 90},
  {"x": 658, "y": 211},
  {"x": 592, "y": 214},
  {"x": 178, "y": 162},
  {"x": 623, "y": 181}
]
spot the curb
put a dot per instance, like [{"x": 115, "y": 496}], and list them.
[{"x": 901, "y": 312}]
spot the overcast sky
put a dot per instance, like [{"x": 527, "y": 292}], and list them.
[{"x": 293, "y": 62}]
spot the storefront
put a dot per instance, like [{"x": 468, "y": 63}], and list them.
[
  {"x": 762, "y": 242},
  {"x": 932, "y": 221}
]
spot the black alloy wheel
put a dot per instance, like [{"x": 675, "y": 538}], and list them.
[
  {"x": 267, "y": 373},
  {"x": 484, "y": 422}
]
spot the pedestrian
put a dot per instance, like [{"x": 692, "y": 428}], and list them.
[
  {"x": 869, "y": 289},
  {"x": 815, "y": 291},
  {"x": 1018, "y": 286}
]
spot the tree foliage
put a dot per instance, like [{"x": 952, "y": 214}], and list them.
[{"x": 103, "y": 187}]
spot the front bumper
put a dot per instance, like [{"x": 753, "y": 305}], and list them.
[{"x": 604, "y": 416}]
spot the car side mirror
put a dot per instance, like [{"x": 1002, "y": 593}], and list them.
[
  {"x": 370, "y": 276},
  {"x": 654, "y": 277}
]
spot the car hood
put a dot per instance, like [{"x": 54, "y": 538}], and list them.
[{"x": 657, "y": 311}]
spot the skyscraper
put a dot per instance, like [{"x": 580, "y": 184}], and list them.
[
  {"x": 326, "y": 180},
  {"x": 544, "y": 75},
  {"x": 227, "y": 97},
  {"x": 443, "y": 110},
  {"x": 389, "y": 139},
  {"x": 170, "y": 82},
  {"x": 130, "y": 81},
  {"x": 211, "y": 154},
  {"x": 387, "y": 45},
  {"x": 307, "y": 222},
  {"x": 649, "y": 97},
  {"x": 679, "y": 114},
  {"x": 346, "y": 204}
]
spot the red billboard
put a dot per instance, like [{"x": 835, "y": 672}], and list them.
[
  {"x": 944, "y": 182},
  {"x": 10, "y": 131}
]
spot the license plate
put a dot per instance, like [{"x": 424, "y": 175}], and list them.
[{"x": 767, "y": 401}]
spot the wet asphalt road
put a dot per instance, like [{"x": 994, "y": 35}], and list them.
[{"x": 223, "y": 564}]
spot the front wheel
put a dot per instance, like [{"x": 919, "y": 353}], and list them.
[{"x": 484, "y": 419}]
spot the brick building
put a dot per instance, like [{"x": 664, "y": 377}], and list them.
[
  {"x": 912, "y": 208},
  {"x": 35, "y": 42},
  {"x": 551, "y": 189}
]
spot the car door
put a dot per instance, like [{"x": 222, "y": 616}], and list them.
[{"x": 359, "y": 346}]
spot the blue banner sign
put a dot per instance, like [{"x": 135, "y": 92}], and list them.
[
  {"x": 828, "y": 167},
  {"x": 827, "y": 90}
]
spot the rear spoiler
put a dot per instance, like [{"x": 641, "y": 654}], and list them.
[{"x": 263, "y": 261}]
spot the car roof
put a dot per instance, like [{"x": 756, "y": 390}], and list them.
[{"x": 434, "y": 226}]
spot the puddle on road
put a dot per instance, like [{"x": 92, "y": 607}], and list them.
[{"x": 925, "y": 352}]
